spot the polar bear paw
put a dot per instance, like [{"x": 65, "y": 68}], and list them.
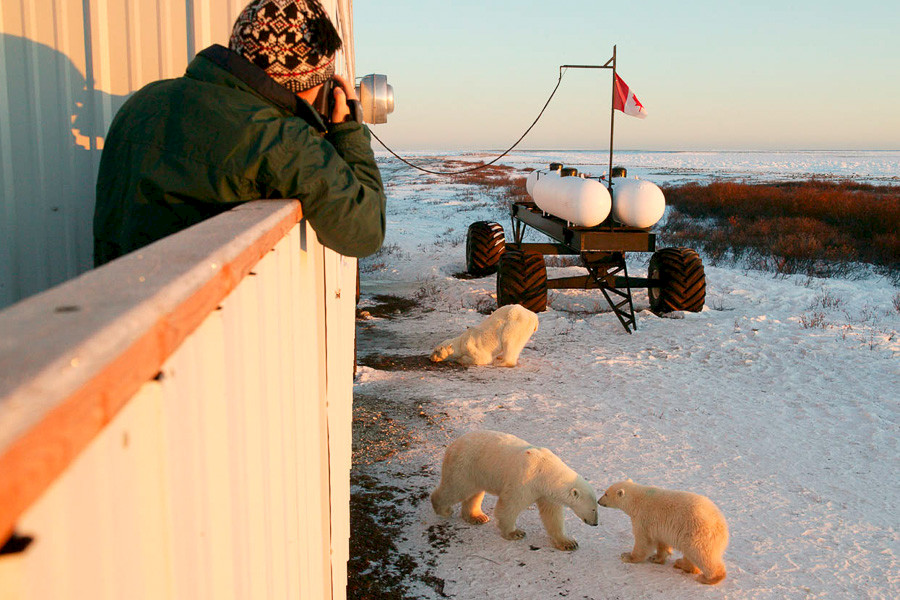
[
  {"x": 686, "y": 566},
  {"x": 566, "y": 544},
  {"x": 501, "y": 361},
  {"x": 627, "y": 557},
  {"x": 515, "y": 534},
  {"x": 477, "y": 519}
]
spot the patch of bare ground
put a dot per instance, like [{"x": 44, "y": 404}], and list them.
[
  {"x": 384, "y": 362},
  {"x": 393, "y": 307},
  {"x": 382, "y": 428},
  {"x": 387, "y": 307},
  {"x": 377, "y": 568}
]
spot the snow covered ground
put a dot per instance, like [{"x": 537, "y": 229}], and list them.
[{"x": 779, "y": 401}]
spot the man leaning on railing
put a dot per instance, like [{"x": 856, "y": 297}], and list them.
[{"x": 240, "y": 125}]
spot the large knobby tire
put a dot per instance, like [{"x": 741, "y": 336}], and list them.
[
  {"x": 522, "y": 279},
  {"x": 485, "y": 244},
  {"x": 682, "y": 282}
]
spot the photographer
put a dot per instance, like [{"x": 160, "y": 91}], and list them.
[{"x": 237, "y": 126}]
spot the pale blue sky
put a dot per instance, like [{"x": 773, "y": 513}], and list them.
[{"x": 756, "y": 74}]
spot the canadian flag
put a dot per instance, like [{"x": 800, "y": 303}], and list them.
[{"x": 626, "y": 101}]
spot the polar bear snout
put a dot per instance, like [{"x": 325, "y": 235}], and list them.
[
  {"x": 583, "y": 501},
  {"x": 442, "y": 351}
]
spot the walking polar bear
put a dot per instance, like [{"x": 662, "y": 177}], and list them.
[
  {"x": 665, "y": 519},
  {"x": 498, "y": 340},
  {"x": 520, "y": 475}
]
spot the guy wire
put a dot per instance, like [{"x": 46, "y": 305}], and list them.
[{"x": 507, "y": 151}]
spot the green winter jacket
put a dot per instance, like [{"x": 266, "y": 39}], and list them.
[{"x": 183, "y": 150}]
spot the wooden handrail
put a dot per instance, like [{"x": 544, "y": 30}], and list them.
[{"x": 72, "y": 357}]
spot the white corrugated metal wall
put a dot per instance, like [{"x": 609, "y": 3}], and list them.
[
  {"x": 227, "y": 476},
  {"x": 66, "y": 66}
]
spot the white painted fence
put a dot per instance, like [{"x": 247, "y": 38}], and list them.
[{"x": 176, "y": 424}]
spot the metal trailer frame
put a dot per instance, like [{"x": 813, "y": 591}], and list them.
[{"x": 601, "y": 248}]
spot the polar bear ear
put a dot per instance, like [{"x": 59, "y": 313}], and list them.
[
  {"x": 575, "y": 493},
  {"x": 629, "y": 481},
  {"x": 620, "y": 493}
]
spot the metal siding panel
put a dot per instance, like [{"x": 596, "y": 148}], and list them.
[
  {"x": 185, "y": 476},
  {"x": 173, "y": 41},
  {"x": 288, "y": 341},
  {"x": 142, "y": 36},
  {"x": 344, "y": 20},
  {"x": 99, "y": 530},
  {"x": 323, "y": 485},
  {"x": 46, "y": 131},
  {"x": 314, "y": 558},
  {"x": 267, "y": 275},
  {"x": 213, "y": 22},
  {"x": 251, "y": 393},
  {"x": 142, "y": 529},
  {"x": 340, "y": 294},
  {"x": 233, "y": 308},
  {"x": 8, "y": 283},
  {"x": 74, "y": 175},
  {"x": 218, "y": 542},
  {"x": 29, "y": 264}
]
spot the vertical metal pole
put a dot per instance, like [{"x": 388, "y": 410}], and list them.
[{"x": 612, "y": 119}]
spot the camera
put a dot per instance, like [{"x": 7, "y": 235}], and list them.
[
  {"x": 376, "y": 100},
  {"x": 324, "y": 103}
]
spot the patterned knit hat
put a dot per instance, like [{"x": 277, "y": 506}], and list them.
[{"x": 294, "y": 41}]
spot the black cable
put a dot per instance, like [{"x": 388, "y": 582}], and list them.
[{"x": 507, "y": 151}]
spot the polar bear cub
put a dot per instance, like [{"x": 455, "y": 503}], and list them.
[
  {"x": 520, "y": 475},
  {"x": 665, "y": 519},
  {"x": 499, "y": 339}
]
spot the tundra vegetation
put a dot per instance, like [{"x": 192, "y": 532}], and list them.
[{"x": 817, "y": 228}]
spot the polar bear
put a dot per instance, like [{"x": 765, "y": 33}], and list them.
[
  {"x": 498, "y": 340},
  {"x": 520, "y": 475},
  {"x": 665, "y": 519}
]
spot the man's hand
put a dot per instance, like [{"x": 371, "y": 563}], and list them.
[{"x": 342, "y": 92}]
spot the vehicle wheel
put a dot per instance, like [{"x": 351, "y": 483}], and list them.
[
  {"x": 522, "y": 279},
  {"x": 682, "y": 282},
  {"x": 485, "y": 243}
]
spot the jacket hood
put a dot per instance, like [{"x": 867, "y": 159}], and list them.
[{"x": 231, "y": 69}]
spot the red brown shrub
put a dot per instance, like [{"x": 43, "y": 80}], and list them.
[{"x": 792, "y": 227}]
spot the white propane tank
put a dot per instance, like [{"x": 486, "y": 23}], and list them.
[
  {"x": 636, "y": 202},
  {"x": 582, "y": 202},
  {"x": 537, "y": 174}
]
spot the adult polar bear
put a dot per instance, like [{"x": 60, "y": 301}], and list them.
[
  {"x": 519, "y": 474},
  {"x": 499, "y": 339},
  {"x": 665, "y": 519}
]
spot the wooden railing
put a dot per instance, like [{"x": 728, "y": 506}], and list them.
[{"x": 176, "y": 424}]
